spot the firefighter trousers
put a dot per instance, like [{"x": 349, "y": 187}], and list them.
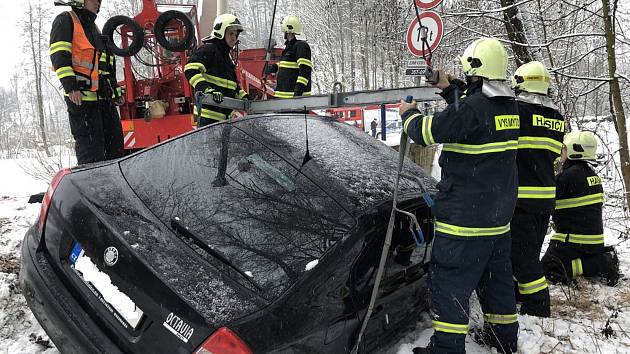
[
  {"x": 460, "y": 266},
  {"x": 97, "y": 132},
  {"x": 528, "y": 235},
  {"x": 564, "y": 261}
]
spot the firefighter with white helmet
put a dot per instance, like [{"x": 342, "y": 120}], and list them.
[
  {"x": 293, "y": 78},
  {"x": 540, "y": 143},
  {"x": 577, "y": 246},
  {"x": 210, "y": 69},
  {"x": 475, "y": 200}
]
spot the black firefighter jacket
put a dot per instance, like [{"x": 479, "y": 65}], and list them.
[
  {"x": 540, "y": 143},
  {"x": 579, "y": 201},
  {"x": 477, "y": 193},
  {"x": 61, "y": 55},
  {"x": 294, "y": 70},
  {"x": 210, "y": 68}
]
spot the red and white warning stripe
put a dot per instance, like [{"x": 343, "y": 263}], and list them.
[{"x": 130, "y": 140}]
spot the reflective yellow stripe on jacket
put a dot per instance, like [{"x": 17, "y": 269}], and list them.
[
  {"x": 210, "y": 114},
  {"x": 475, "y": 149},
  {"x": 304, "y": 61},
  {"x": 538, "y": 142},
  {"x": 288, "y": 65},
  {"x": 60, "y": 46},
  {"x": 284, "y": 94},
  {"x": 526, "y": 192},
  {"x": 579, "y": 201},
  {"x": 425, "y": 128},
  {"x": 470, "y": 231},
  {"x": 64, "y": 71},
  {"x": 87, "y": 96},
  {"x": 577, "y": 238}
]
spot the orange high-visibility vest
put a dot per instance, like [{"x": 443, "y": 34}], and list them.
[{"x": 85, "y": 58}]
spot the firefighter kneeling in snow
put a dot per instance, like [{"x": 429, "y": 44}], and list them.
[
  {"x": 295, "y": 66},
  {"x": 211, "y": 70},
  {"x": 577, "y": 247},
  {"x": 475, "y": 200}
]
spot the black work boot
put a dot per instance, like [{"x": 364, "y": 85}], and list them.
[
  {"x": 421, "y": 350},
  {"x": 611, "y": 268},
  {"x": 485, "y": 337}
]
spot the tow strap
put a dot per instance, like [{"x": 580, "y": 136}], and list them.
[{"x": 417, "y": 235}]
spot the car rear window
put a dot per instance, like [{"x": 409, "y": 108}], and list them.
[
  {"x": 358, "y": 170},
  {"x": 241, "y": 199}
]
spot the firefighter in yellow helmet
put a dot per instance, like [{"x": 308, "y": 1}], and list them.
[
  {"x": 210, "y": 69},
  {"x": 577, "y": 246},
  {"x": 86, "y": 69},
  {"x": 540, "y": 143},
  {"x": 293, "y": 78},
  {"x": 475, "y": 200}
]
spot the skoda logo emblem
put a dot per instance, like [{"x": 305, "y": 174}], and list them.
[{"x": 110, "y": 256}]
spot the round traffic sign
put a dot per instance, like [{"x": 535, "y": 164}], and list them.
[
  {"x": 427, "y": 4},
  {"x": 435, "y": 30}
]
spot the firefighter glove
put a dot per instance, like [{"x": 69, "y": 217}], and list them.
[
  {"x": 299, "y": 89},
  {"x": 271, "y": 69},
  {"x": 216, "y": 95}
]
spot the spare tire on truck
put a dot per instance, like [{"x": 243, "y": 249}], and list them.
[
  {"x": 160, "y": 27},
  {"x": 137, "y": 41}
]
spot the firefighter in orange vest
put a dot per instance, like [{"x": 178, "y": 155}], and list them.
[{"x": 86, "y": 69}]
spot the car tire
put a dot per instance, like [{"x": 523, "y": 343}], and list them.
[
  {"x": 159, "y": 30},
  {"x": 138, "y": 35}
]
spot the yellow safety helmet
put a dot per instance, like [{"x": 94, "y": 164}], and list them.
[
  {"x": 532, "y": 77},
  {"x": 223, "y": 22},
  {"x": 485, "y": 57},
  {"x": 581, "y": 145},
  {"x": 291, "y": 24},
  {"x": 75, "y": 3}
]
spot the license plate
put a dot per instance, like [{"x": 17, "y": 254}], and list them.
[{"x": 99, "y": 283}]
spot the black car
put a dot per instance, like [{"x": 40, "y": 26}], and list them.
[{"x": 258, "y": 235}]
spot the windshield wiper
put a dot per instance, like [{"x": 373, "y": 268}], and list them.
[{"x": 179, "y": 227}]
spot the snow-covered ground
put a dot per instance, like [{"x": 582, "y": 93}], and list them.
[
  {"x": 19, "y": 330},
  {"x": 589, "y": 318}
]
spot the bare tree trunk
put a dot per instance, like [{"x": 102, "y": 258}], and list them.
[
  {"x": 36, "y": 39},
  {"x": 616, "y": 110},
  {"x": 352, "y": 46},
  {"x": 515, "y": 32},
  {"x": 365, "y": 59}
]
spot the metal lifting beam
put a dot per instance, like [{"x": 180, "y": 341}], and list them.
[{"x": 333, "y": 100}]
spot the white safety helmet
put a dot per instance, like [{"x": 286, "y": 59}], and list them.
[
  {"x": 485, "y": 57},
  {"x": 532, "y": 77},
  {"x": 291, "y": 24},
  {"x": 223, "y": 22},
  {"x": 581, "y": 145}
]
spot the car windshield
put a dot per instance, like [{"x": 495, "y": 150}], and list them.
[{"x": 242, "y": 200}]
